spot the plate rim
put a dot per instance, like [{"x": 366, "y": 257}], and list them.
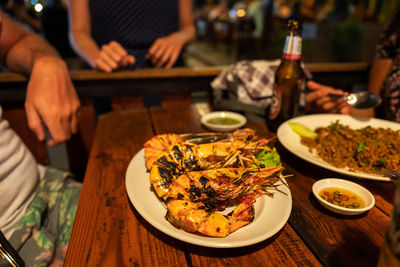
[
  {"x": 282, "y": 129},
  {"x": 197, "y": 239}
]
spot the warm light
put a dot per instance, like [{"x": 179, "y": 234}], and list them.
[
  {"x": 241, "y": 13},
  {"x": 38, "y": 7}
]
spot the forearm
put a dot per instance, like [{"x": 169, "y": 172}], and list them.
[
  {"x": 187, "y": 33},
  {"x": 186, "y": 24},
  {"x": 28, "y": 51},
  {"x": 85, "y": 47},
  {"x": 379, "y": 71}
]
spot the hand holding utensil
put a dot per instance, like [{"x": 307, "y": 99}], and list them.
[{"x": 360, "y": 100}]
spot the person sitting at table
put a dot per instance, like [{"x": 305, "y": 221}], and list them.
[
  {"x": 111, "y": 35},
  {"x": 384, "y": 79},
  {"x": 37, "y": 203}
]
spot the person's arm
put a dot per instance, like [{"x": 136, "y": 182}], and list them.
[
  {"x": 50, "y": 96},
  {"x": 165, "y": 50},
  {"x": 186, "y": 23},
  {"x": 379, "y": 71},
  {"x": 386, "y": 51},
  {"x": 107, "y": 58}
]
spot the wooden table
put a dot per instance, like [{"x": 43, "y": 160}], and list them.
[{"x": 108, "y": 231}]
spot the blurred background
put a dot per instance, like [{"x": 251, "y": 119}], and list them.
[
  {"x": 333, "y": 31},
  {"x": 232, "y": 30}
]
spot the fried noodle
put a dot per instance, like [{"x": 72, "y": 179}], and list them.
[{"x": 362, "y": 150}]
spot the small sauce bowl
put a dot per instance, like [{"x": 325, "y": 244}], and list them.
[
  {"x": 236, "y": 121},
  {"x": 360, "y": 191}
]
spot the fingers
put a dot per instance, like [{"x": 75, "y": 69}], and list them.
[
  {"x": 164, "y": 52},
  {"x": 62, "y": 126},
  {"x": 51, "y": 101},
  {"x": 128, "y": 60},
  {"x": 344, "y": 109},
  {"x": 319, "y": 101},
  {"x": 113, "y": 56},
  {"x": 326, "y": 104},
  {"x": 153, "y": 49},
  {"x": 34, "y": 122},
  {"x": 74, "y": 121},
  {"x": 59, "y": 130},
  {"x": 164, "y": 57},
  {"x": 318, "y": 91},
  {"x": 172, "y": 59},
  {"x": 103, "y": 64},
  {"x": 156, "y": 51}
]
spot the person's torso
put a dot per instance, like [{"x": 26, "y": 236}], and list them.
[
  {"x": 19, "y": 178},
  {"x": 135, "y": 24},
  {"x": 391, "y": 85}
]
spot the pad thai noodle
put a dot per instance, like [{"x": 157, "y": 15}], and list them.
[{"x": 362, "y": 150}]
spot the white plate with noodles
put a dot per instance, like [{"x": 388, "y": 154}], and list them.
[
  {"x": 271, "y": 213},
  {"x": 291, "y": 140}
]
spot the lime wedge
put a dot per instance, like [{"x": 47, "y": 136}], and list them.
[{"x": 302, "y": 130}]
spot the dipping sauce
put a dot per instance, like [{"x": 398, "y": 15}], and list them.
[
  {"x": 223, "y": 121},
  {"x": 342, "y": 197}
]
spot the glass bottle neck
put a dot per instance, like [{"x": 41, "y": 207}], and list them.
[{"x": 292, "y": 49}]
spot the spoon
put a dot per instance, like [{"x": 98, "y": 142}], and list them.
[{"x": 360, "y": 100}]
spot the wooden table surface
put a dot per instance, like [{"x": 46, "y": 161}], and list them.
[{"x": 108, "y": 231}]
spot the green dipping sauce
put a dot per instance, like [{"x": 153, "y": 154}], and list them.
[{"x": 223, "y": 121}]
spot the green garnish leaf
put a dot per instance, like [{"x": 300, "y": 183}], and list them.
[
  {"x": 335, "y": 126},
  {"x": 361, "y": 147},
  {"x": 382, "y": 161},
  {"x": 268, "y": 158}
]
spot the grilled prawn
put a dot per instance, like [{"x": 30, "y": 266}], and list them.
[
  {"x": 197, "y": 176},
  {"x": 195, "y": 196},
  {"x": 160, "y": 143},
  {"x": 183, "y": 157}
]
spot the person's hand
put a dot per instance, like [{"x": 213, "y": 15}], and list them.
[
  {"x": 318, "y": 100},
  {"x": 51, "y": 99},
  {"x": 113, "y": 56},
  {"x": 165, "y": 51}
]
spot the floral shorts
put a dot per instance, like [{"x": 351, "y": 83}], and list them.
[{"x": 41, "y": 237}]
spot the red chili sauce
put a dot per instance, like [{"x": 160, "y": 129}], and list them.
[{"x": 342, "y": 197}]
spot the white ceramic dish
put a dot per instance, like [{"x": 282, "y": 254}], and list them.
[
  {"x": 368, "y": 198},
  {"x": 271, "y": 214},
  {"x": 291, "y": 141},
  {"x": 223, "y": 114}
]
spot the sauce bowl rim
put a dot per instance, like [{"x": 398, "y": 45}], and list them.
[
  {"x": 344, "y": 184},
  {"x": 220, "y": 127}
]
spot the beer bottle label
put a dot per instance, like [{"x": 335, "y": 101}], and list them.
[
  {"x": 275, "y": 106},
  {"x": 292, "y": 49}
]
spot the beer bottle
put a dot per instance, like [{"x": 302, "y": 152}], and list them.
[{"x": 289, "y": 79}]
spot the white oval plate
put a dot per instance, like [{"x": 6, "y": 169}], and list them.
[
  {"x": 220, "y": 114},
  {"x": 368, "y": 198},
  {"x": 291, "y": 141},
  {"x": 271, "y": 214}
]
